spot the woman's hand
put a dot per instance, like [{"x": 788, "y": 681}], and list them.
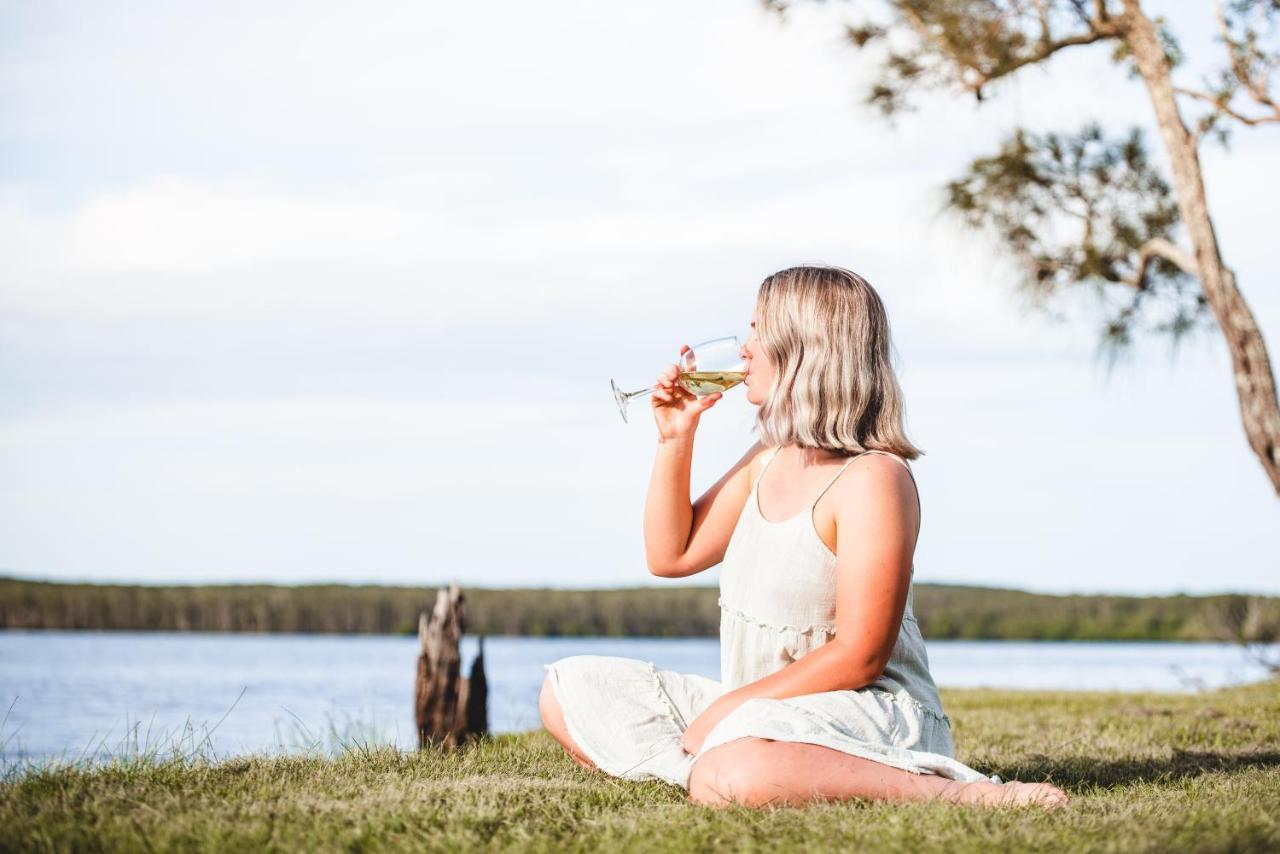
[
  {"x": 697, "y": 732},
  {"x": 675, "y": 409}
]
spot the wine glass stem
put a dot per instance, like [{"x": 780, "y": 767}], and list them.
[{"x": 631, "y": 395}]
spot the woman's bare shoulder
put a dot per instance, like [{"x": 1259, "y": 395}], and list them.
[
  {"x": 879, "y": 471},
  {"x": 882, "y": 478}
]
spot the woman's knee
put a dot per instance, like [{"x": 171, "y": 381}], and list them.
[
  {"x": 549, "y": 707},
  {"x": 733, "y": 773},
  {"x": 553, "y": 721}
]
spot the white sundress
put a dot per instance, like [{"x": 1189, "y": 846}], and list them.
[{"x": 777, "y": 604}]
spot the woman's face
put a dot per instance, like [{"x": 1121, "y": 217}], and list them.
[{"x": 759, "y": 369}]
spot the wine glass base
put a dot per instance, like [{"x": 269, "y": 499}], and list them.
[{"x": 621, "y": 398}]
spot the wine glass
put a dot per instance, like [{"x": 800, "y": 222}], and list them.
[{"x": 705, "y": 368}]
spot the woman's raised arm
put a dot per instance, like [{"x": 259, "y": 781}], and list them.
[{"x": 682, "y": 538}]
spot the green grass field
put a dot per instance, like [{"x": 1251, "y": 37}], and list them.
[{"x": 1147, "y": 772}]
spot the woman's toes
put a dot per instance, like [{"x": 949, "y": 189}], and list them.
[
  {"x": 1011, "y": 794},
  {"x": 1042, "y": 794},
  {"x": 1054, "y": 797}
]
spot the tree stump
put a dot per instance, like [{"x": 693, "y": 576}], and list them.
[{"x": 449, "y": 709}]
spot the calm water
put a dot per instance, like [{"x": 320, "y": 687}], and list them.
[{"x": 92, "y": 695}]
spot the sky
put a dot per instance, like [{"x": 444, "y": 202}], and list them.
[{"x": 298, "y": 292}]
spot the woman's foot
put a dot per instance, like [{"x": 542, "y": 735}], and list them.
[{"x": 1010, "y": 794}]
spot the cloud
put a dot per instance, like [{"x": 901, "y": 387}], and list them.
[{"x": 308, "y": 292}]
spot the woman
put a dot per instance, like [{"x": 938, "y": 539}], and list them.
[{"x": 826, "y": 691}]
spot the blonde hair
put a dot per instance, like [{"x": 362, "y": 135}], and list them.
[{"x": 827, "y": 334}]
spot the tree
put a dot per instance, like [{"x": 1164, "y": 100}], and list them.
[{"x": 1080, "y": 209}]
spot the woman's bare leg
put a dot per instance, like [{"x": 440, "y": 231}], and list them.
[
  {"x": 759, "y": 772},
  {"x": 553, "y": 720}
]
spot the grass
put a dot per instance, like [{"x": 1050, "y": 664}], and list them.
[{"x": 1147, "y": 772}]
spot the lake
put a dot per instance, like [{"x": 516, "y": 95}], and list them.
[{"x": 91, "y": 695}]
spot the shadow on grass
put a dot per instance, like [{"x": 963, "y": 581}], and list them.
[{"x": 1084, "y": 772}]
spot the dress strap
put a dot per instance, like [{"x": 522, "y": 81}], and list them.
[{"x": 832, "y": 482}]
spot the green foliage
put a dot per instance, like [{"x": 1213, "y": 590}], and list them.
[
  {"x": 1146, "y": 772},
  {"x": 1082, "y": 209},
  {"x": 943, "y": 611}
]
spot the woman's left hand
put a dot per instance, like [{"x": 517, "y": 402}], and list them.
[{"x": 702, "y": 725}]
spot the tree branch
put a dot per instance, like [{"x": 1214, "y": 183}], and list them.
[
  {"x": 1047, "y": 47},
  {"x": 1221, "y": 106},
  {"x": 1257, "y": 89},
  {"x": 1159, "y": 247},
  {"x": 1042, "y": 15}
]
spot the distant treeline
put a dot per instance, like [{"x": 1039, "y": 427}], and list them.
[{"x": 943, "y": 611}]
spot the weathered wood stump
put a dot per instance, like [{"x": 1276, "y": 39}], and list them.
[{"x": 449, "y": 708}]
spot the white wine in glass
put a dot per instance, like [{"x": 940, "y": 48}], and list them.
[
  {"x": 703, "y": 383},
  {"x": 705, "y": 368}
]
